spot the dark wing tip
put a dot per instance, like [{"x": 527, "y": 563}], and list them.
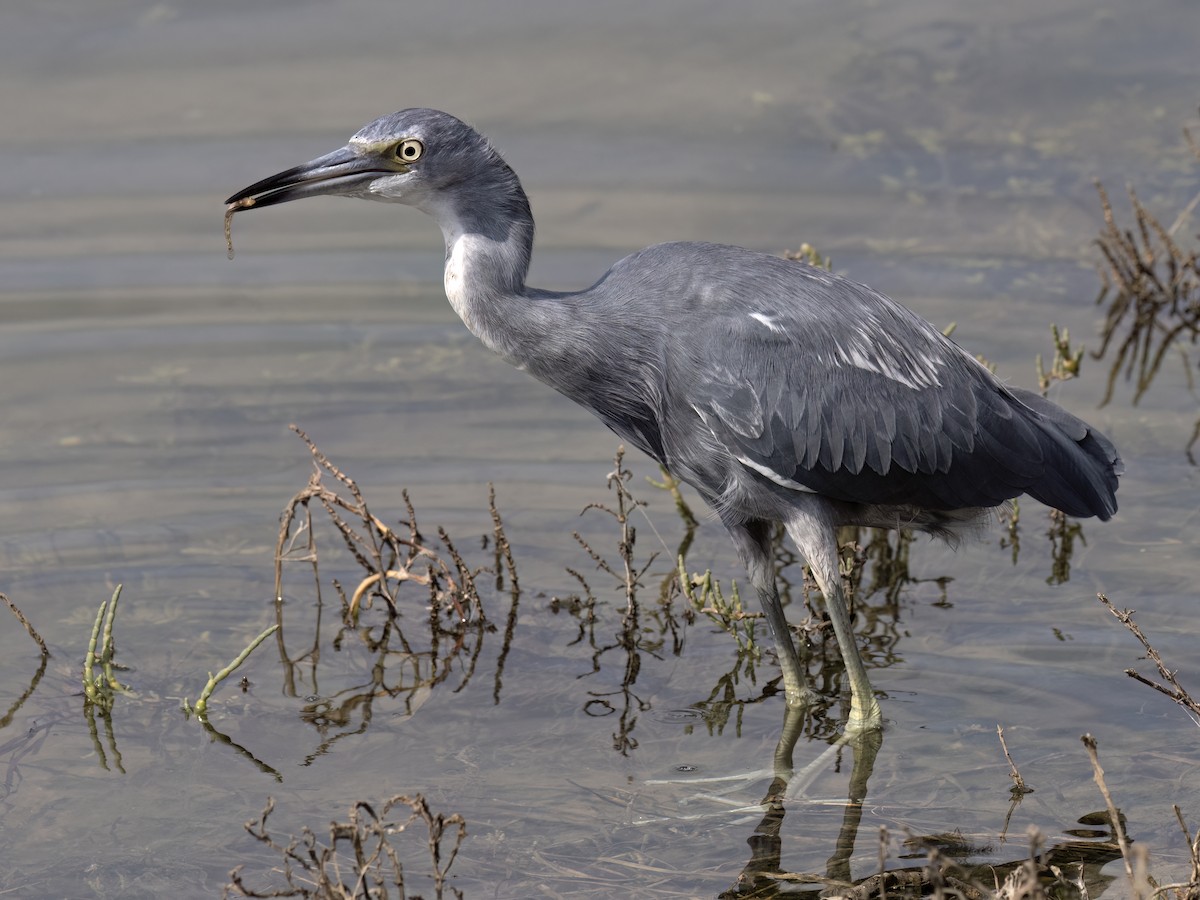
[{"x": 1082, "y": 464}]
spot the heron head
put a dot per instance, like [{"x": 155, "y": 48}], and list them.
[{"x": 413, "y": 157}]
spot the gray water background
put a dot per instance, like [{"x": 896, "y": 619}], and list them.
[{"x": 944, "y": 153}]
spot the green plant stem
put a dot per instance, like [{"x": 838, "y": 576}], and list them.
[
  {"x": 201, "y": 707},
  {"x": 108, "y": 649},
  {"x": 89, "y": 660}
]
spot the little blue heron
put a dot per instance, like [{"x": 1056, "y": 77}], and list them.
[{"x": 779, "y": 391}]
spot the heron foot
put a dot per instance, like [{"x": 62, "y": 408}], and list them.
[
  {"x": 865, "y": 715},
  {"x": 798, "y": 696}
]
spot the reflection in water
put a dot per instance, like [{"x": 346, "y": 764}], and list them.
[
  {"x": 224, "y": 739},
  {"x": 1061, "y": 534},
  {"x": 44, "y": 656},
  {"x": 110, "y": 739},
  {"x": 622, "y": 701},
  {"x": 632, "y": 638},
  {"x": 7, "y": 719},
  {"x": 1071, "y": 868},
  {"x": 1010, "y": 519},
  {"x": 766, "y": 870}
]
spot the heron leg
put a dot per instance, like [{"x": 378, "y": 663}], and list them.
[
  {"x": 814, "y": 538},
  {"x": 753, "y": 543}
]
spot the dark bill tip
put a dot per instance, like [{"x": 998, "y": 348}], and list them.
[
  {"x": 273, "y": 189},
  {"x": 329, "y": 174}
]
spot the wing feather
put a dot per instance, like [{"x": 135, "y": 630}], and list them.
[
  {"x": 801, "y": 377},
  {"x": 869, "y": 405}
]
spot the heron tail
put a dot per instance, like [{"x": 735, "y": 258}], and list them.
[{"x": 1082, "y": 465}]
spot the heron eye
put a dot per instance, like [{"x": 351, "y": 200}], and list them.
[{"x": 409, "y": 150}]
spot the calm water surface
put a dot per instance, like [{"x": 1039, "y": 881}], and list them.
[{"x": 942, "y": 154}]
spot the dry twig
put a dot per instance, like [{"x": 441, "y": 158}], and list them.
[
  {"x": 389, "y": 559},
  {"x": 1114, "y": 815},
  {"x": 359, "y": 859},
  {"x": 1176, "y": 691},
  {"x": 1019, "y": 787},
  {"x": 1156, "y": 296},
  {"x": 27, "y": 624}
]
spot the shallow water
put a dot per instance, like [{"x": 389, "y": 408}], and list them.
[{"x": 942, "y": 154}]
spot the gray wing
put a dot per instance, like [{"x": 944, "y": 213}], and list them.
[{"x": 822, "y": 384}]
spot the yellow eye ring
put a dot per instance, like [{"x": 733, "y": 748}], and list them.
[{"x": 408, "y": 150}]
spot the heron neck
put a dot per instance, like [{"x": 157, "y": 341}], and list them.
[
  {"x": 489, "y": 240},
  {"x": 590, "y": 351}
]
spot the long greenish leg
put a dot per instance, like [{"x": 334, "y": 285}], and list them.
[
  {"x": 753, "y": 543},
  {"x": 815, "y": 540}
]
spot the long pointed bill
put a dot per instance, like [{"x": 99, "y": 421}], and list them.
[{"x": 339, "y": 172}]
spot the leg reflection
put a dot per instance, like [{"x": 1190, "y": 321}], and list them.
[{"x": 760, "y": 876}]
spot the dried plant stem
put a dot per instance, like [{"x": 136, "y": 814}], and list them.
[
  {"x": 1193, "y": 845},
  {"x": 1113, "y": 814},
  {"x": 1176, "y": 691},
  {"x": 389, "y": 559},
  {"x": 631, "y": 574},
  {"x": 1186, "y": 212},
  {"x": 1157, "y": 295},
  {"x": 503, "y": 547},
  {"x": 375, "y": 578},
  {"x": 25, "y": 622},
  {"x": 359, "y": 859},
  {"x": 1019, "y": 786},
  {"x": 883, "y": 856}
]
